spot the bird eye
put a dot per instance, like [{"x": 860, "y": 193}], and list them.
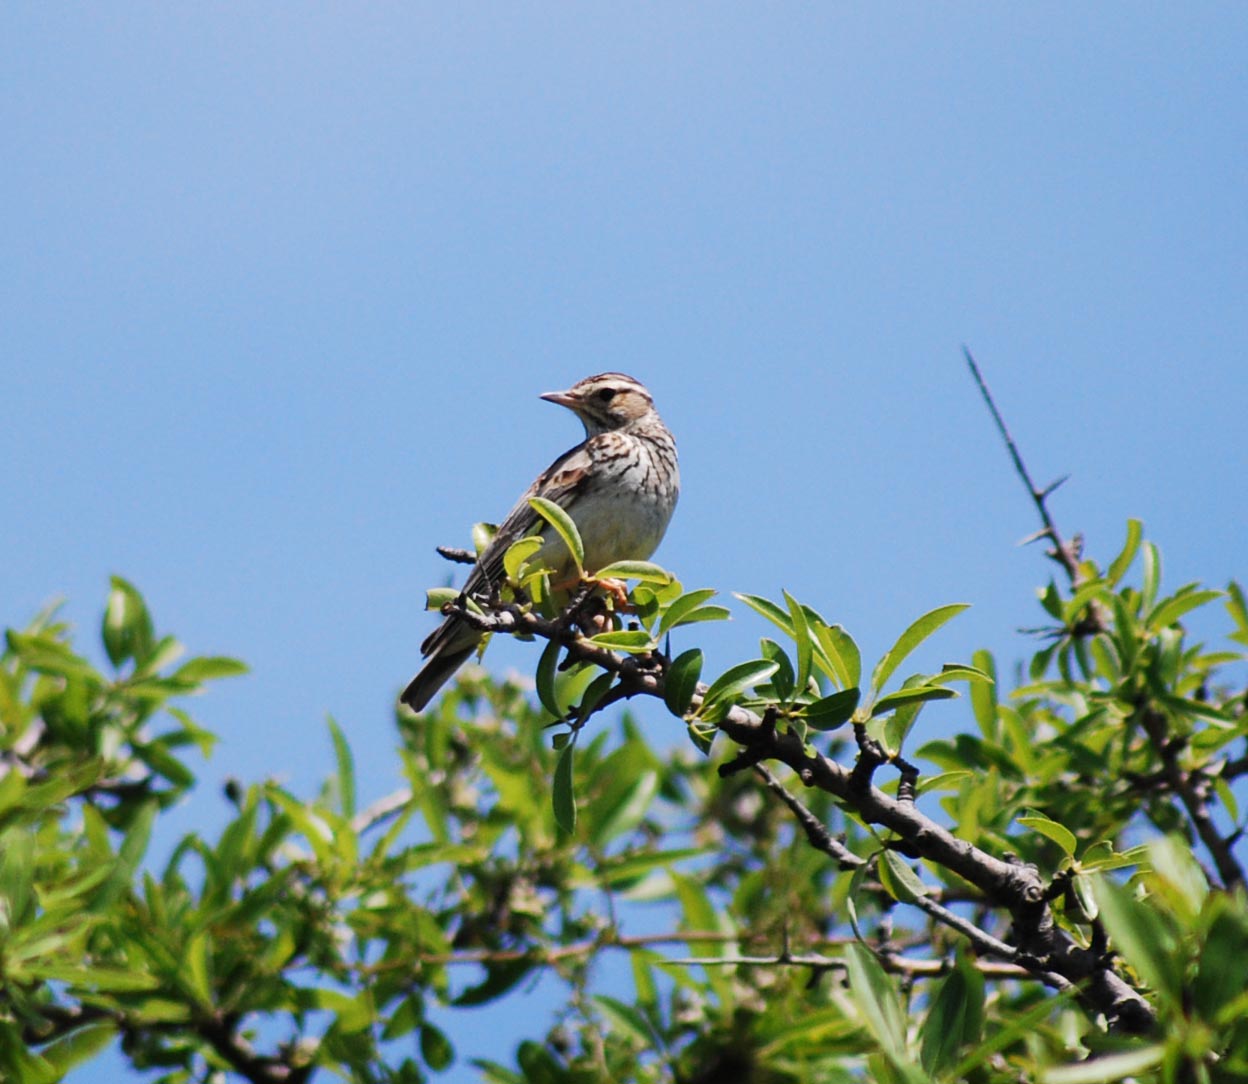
[{"x": 606, "y": 395}]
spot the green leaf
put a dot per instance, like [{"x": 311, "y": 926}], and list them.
[
  {"x": 900, "y": 881},
  {"x": 681, "y": 681},
  {"x": 593, "y": 695},
  {"x": 918, "y": 631},
  {"x": 645, "y": 571},
  {"x": 564, "y": 528},
  {"x": 1083, "y": 890},
  {"x": 832, "y": 711},
  {"x": 685, "y": 604},
  {"x": 1237, "y": 607},
  {"x": 735, "y": 680},
  {"x": 618, "y": 872},
  {"x": 701, "y": 915},
  {"x": 1118, "y": 567},
  {"x": 127, "y": 630},
  {"x": 633, "y": 641},
  {"x": 519, "y": 554},
  {"x": 704, "y": 613},
  {"x": 1152, "y": 576},
  {"x": 437, "y": 597},
  {"x": 984, "y": 695},
  {"x": 618, "y": 811},
  {"x": 703, "y": 736},
  {"x": 955, "y": 1019},
  {"x": 879, "y": 1007},
  {"x": 346, "y": 769},
  {"x": 499, "y": 978},
  {"x": 1139, "y": 935},
  {"x": 209, "y": 668},
  {"x": 769, "y": 610},
  {"x": 436, "y": 1048},
  {"x": 952, "y": 671},
  {"x": 625, "y": 1020},
  {"x": 1168, "y": 612},
  {"x": 1051, "y": 600},
  {"x": 1050, "y": 829},
  {"x": 916, "y": 694},
  {"x": 545, "y": 678},
  {"x": 836, "y": 653},
  {"x": 783, "y": 681},
  {"x": 1108, "y": 1067},
  {"x": 109, "y": 980},
  {"x": 801, "y": 638},
  {"x": 482, "y": 535},
  {"x": 80, "y": 1045},
  {"x": 1012, "y": 1032},
  {"x": 562, "y": 796}
]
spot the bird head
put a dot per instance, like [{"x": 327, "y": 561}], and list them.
[{"x": 606, "y": 402}]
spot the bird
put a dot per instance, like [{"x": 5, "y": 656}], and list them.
[{"x": 619, "y": 486}]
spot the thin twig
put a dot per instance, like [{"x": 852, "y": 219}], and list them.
[
  {"x": 1062, "y": 553},
  {"x": 381, "y": 810},
  {"x": 899, "y": 965},
  {"x": 816, "y": 832}
]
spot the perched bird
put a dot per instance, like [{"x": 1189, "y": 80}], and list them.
[{"x": 619, "y": 486}]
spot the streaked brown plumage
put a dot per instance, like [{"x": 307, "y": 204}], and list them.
[{"x": 619, "y": 485}]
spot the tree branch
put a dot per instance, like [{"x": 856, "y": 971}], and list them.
[
  {"x": 1065, "y": 554},
  {"x": 1192, "y": 788},
  {"x": 1044, "y": 948}
]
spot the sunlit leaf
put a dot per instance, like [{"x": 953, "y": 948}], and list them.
[
  {"x": 645, "y": 571},
  {"x": 633, "y": 641},
  {"x": 563, "y": 526},
  {"x": 519, "y": 553},
  {"x": 802, "y": 641},
  {"x": 1168, "y": 612},
  {"x": 685, "y": 604},
  {"x": 918, "y": 631},
  {"x": 914, "y": 694},
  {"x": 1050, "y": 829},
  {"x": 734, "y": 681},
  {"x": 1118, "y": 567},
  {"x": 346, "y": 769}
]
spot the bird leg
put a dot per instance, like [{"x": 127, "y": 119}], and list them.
[{"x": 617, "y": 589}]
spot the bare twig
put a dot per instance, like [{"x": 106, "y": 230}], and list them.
[
  {"x": 381, "y": 810},
  {"x": 816, "y": 832},
  {"x": 457, "y": 555},
  {"x": 1062, "y": 552},
  {"x": 898, "y": 965}
]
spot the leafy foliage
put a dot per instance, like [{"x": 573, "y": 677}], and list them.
[{"x": 1061, "y": 899}]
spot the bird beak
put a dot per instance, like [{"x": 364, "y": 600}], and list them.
[{"x": 563, "y": 398}]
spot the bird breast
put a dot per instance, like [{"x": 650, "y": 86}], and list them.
[{"x": 623, "y": 510}]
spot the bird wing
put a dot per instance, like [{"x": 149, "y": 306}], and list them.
[{"x": 558, "y": 483}]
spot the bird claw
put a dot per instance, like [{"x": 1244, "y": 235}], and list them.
[{"x": 617, "y": 589}]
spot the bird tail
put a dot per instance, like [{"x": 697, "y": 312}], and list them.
[{"x": 433, "y": 675}]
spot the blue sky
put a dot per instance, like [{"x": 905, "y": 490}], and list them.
[{"x": 282, "y": 285}]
